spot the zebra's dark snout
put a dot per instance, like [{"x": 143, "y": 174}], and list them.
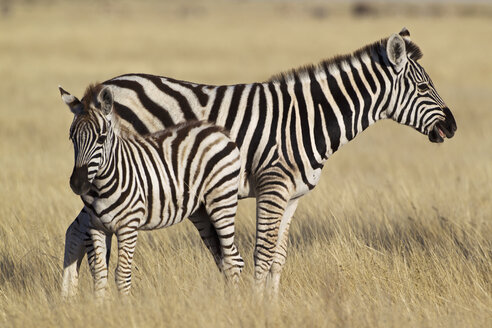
[
  {"x": 449, "y": 123},
  {"x": 443, "y": 129},
  {"x": 79, "y": 181}
]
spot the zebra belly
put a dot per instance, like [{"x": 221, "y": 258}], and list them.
[
  {"x": 110, "y": 214},
  {"x": 113, "y": 221},
  {"x": 162, "y": 221},
  {"x": 169, "y": 213},
  {"x": 312, "y": 176}
]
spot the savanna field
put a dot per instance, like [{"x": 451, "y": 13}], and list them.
[{"x": 397, "y": 234}]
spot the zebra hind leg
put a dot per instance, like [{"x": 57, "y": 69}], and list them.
[
  {"x": 76, "y": 238},
  {"x": 202, "y": 223},
  {"x": 222, "y": 212}
]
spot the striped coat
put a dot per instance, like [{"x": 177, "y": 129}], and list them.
[
  {"x": 130, "y": 183},
  {"x": 286, "y": 128}
]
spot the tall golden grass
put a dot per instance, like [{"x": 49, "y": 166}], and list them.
[{"x": 398, "y": 233}]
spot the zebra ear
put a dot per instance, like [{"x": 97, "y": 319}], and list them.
[
  {"x": 105, "y": 98},
  {"x": 405, "y": 34},
  {"x": 396, "y": 51},
  {"x": 72, "y": 102}
]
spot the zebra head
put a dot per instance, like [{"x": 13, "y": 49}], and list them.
[
  {"x": 91, "y": 135},
  {"x": 416, "y": 103}
]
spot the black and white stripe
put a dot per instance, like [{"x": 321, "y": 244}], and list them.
[
  {"x": 286, "y": 128},
  {"x": 130, "y": 183}
]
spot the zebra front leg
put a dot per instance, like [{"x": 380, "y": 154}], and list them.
[
  {"x": 76, "y": 239},
  {"x": 271, "y": 202},
  {"x": 98, "y": 257},
  {"x": 202, "y": 223},
  {"x": 273, "y": 279},
  {"x": 127, "y": 240}
]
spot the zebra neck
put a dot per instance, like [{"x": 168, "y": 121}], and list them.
[{"x": 347, "y": 98}]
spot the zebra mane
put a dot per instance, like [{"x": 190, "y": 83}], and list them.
[
  {"x": 91, "y": 105},
  {"x": 413, "y": 51},
  {"x": 90, "y": 97}
]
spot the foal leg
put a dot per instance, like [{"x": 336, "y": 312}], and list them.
[
  {"x": 98, "y": 256},
  {"x": 221, "y": 207},
  {"x": 127, "y": 240},
  {"x": 202, "y": 223},
  {"x": 76, "y": 239}
]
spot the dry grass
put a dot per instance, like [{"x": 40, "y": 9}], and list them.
[{"x": 398, "y": 233}]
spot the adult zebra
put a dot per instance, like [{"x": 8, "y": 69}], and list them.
[
  {"x": 130, "y": 182},
  {"x": 285, "y": 128}
]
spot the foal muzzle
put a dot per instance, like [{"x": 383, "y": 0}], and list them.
[{"x": 79, "y": 181}]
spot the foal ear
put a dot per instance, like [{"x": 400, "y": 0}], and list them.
[
  {"x": 105, "y": 98},
  {"x": 396, "y": 50},
  {"x": 72, "y": 102}
]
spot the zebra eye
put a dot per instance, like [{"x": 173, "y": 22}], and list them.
[
  {"x": 101, "y": 139},
  {"x": 423, "y": 87}
]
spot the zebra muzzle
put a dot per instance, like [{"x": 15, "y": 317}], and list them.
[
  {"x": 79, "y": 181},
  {"x": 443, "y": 129}
]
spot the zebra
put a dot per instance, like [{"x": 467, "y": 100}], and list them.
[
  {"x": 286, "y": 128},
  {"x": 130, "y": 182}
]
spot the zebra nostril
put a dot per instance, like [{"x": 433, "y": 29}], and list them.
[
  {"x": 79, "y": 181},
  {"x": 450, "y": 121}
]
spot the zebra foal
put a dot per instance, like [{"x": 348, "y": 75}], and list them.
[{"x": 130, "y": 182}]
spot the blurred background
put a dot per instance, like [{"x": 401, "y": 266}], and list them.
[{"x": 398, "y": 232}]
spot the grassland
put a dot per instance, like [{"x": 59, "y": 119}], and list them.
[{"x": 397, "y": 234}]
